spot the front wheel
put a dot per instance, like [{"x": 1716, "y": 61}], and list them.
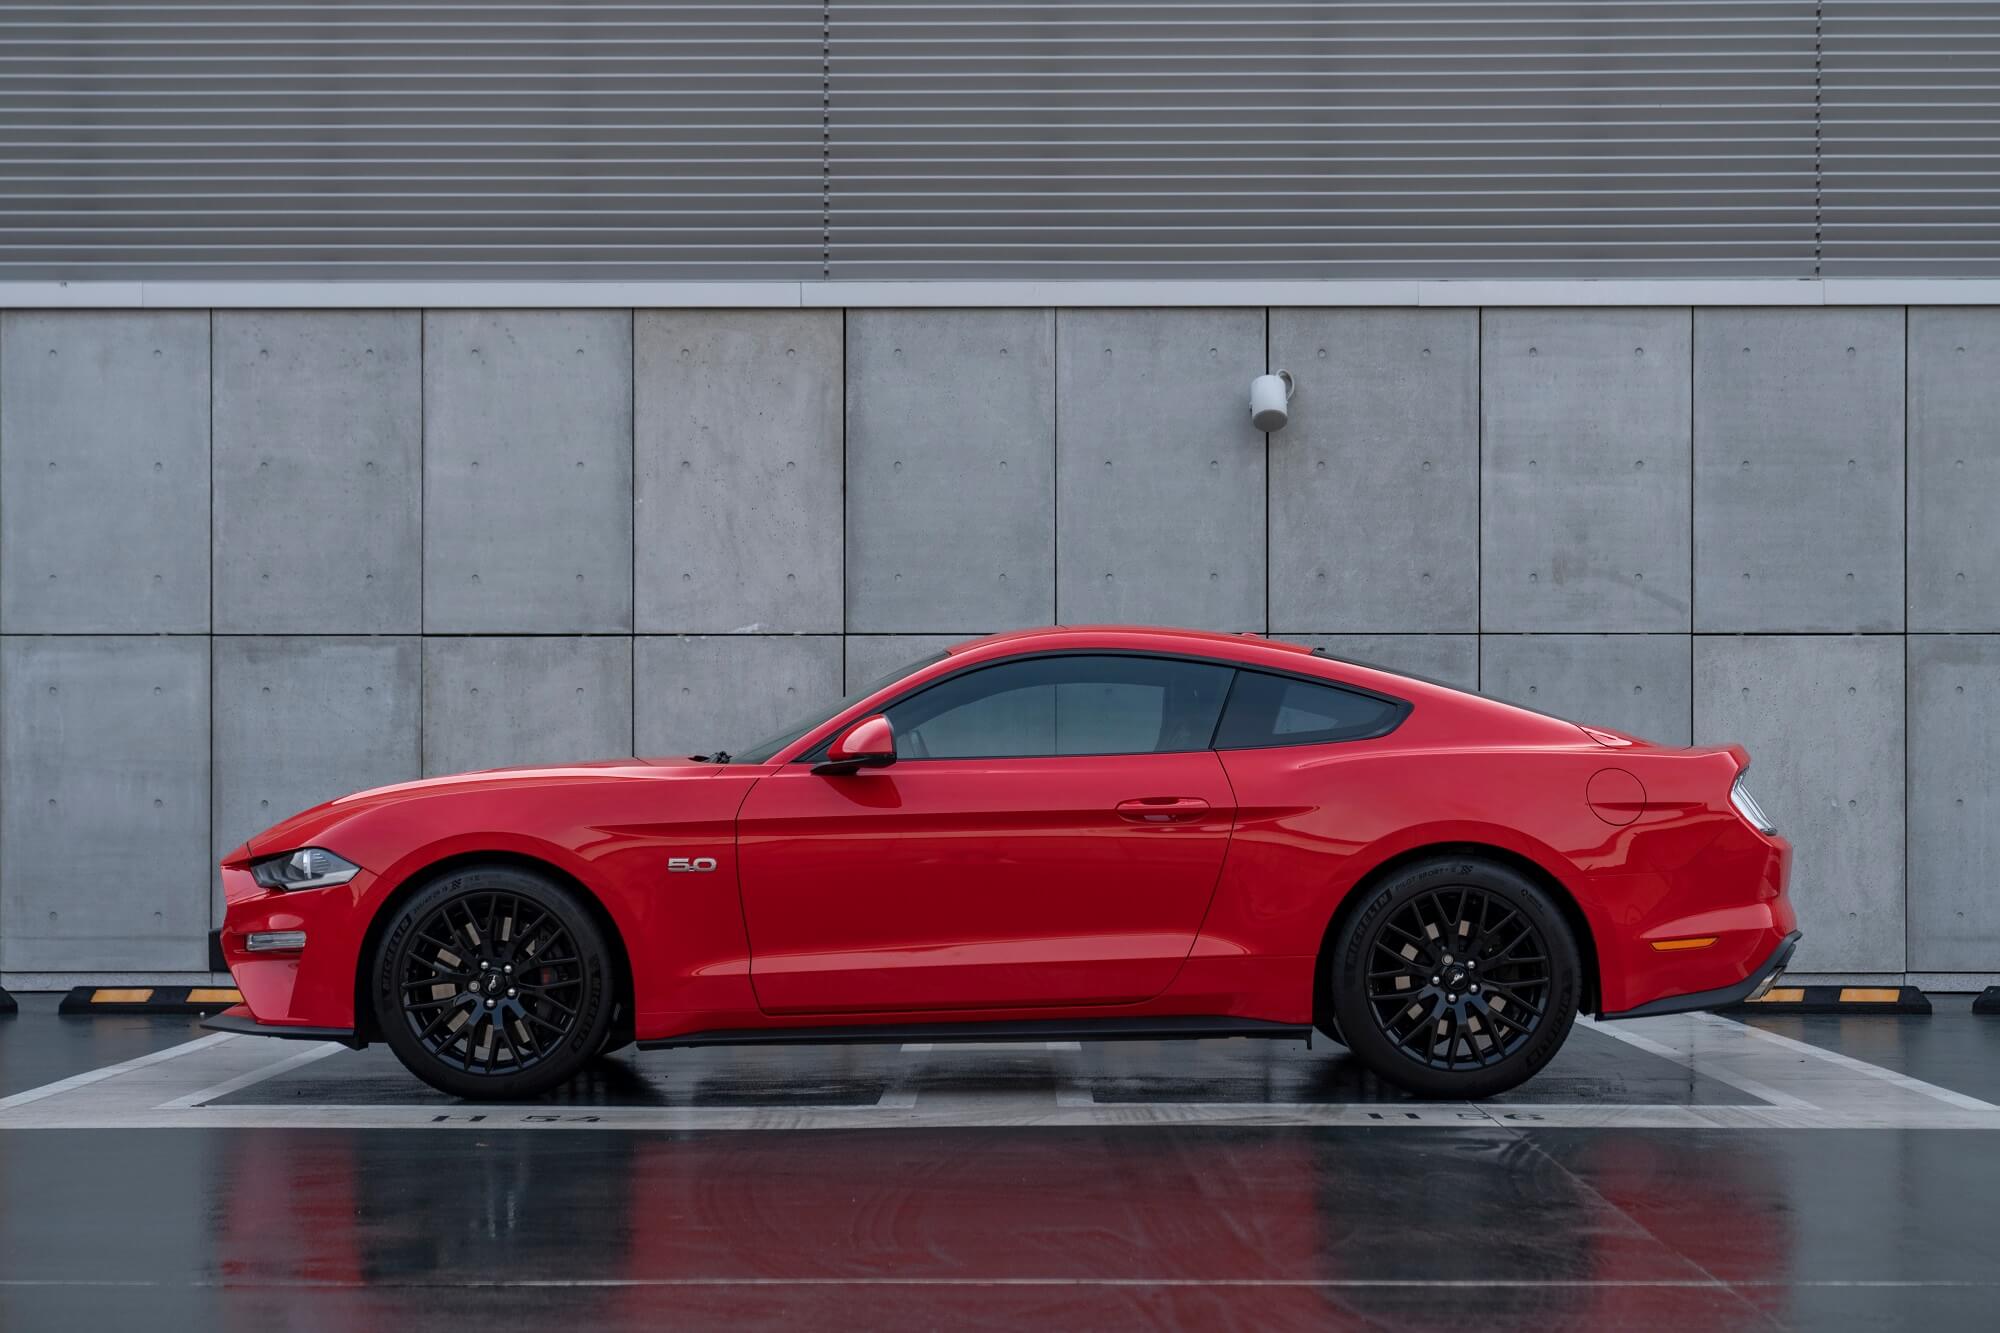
[
  {"x": 493, "y": 983},
  {"x": 1456, "y": 978}
]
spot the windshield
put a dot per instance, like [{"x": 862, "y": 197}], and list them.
[{"x": 763, "y": 750}]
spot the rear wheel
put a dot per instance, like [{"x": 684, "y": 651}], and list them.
[
  {"x": 1456, "y": 978},
  {"x": 494, "y": 983}
]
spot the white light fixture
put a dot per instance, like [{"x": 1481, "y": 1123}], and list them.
[{"x": 1270, "y": 398}]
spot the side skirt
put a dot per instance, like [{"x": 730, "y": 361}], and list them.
[{"x": 1041, "y": 1029}]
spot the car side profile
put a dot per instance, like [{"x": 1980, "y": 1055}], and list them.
[{"x": 1074, "y": 833}]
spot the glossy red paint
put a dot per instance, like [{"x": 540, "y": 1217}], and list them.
[{"x": 1155, "y": 885}]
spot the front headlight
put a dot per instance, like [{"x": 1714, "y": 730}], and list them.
[
  {"x": 307, "y": 868},
  {"x": 1746, "y": 805}
]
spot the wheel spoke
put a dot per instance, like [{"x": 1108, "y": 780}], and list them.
[
  {"x": 1513, "y": 996},
  {"x": 543, "y": 997},
  {"x": 435, "y": 979},
  {"x": 436, "y": 1025},
  {"x": 1497, "y": 1017}
]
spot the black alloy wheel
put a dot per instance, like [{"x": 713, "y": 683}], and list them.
[
  {"x": 1457, "y": 978},
  {"x": 494, "y": 983}
]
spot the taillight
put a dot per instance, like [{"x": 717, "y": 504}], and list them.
[{"x": 1746, "y": 805}]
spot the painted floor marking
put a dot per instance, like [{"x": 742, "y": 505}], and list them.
[
  {"x": 1798, "y": 1086},
  {"x": 1358, "y": 1283},
  {"x": 903, "y": 1095},
  {"x": 84, "y": 1080},
  {"x": 316, "y": 1051},
  {"x": 1848, "y": 1062},
  {"x": 926, "y": 1047},
  {"x": 961, "y": 1110},
  {"x": 1690, "y": 1061}
]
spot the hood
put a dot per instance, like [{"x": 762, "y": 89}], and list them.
[{"x": 298, "y": 831}]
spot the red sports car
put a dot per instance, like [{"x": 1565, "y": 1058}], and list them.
[{"x": 1051, "y": 834}]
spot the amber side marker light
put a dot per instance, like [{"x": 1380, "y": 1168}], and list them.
[{"x": 1685, "y": 942}]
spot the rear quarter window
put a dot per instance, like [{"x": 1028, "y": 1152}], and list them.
[{"x": 1266, "y": 710}]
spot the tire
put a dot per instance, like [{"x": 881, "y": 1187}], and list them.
[
  {"x": 1486, "y": 953},
  {"x": 536, "y": 1012}
]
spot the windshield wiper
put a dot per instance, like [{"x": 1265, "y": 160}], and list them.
[{"x": 719, "y": 757}]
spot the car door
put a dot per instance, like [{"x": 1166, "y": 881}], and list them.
[{"x": 1050, "y": 834}]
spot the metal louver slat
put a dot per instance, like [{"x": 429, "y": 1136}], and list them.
[
  {"x": 1910, "y": 146},
  {"x": 1321, "y": 140},
  {"x": 376, "y": 140},
  {"x": 915, "y": 139}
]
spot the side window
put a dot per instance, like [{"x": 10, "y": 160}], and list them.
[
  {"x": 1064, "y": 705},
  {"x": 1283, "y": 710}
]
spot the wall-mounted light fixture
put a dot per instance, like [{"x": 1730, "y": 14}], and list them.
[{"x": 1270, "y": 399}]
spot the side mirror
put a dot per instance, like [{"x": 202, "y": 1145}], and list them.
[{"x": 869, "y": 743}]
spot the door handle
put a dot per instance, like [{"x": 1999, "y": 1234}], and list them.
[{"x": 1162, "y": 809}]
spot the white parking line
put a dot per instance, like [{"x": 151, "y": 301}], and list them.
[
  {"x": 1686, "y": 1059},
  {"x": 1889, "y": 1076},
  {"x": 983, "y": 1112},
  {"x": 902, "y": 1096},
  {"x": 1796, "y": 1086},
  {"x": 241, "y": 1284},
  {"x": 317, "y": 1051},
  {"x": 925, "y": 1047},
  {"x": 113, "y": 1071}
]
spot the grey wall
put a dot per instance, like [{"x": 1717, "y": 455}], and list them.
[{"x": 250, "y": 560}]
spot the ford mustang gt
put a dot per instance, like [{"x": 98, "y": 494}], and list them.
[{"x": 1062, "y": 833}]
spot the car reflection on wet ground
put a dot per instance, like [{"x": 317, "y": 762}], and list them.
[{"x": 1686, "y": 1173}]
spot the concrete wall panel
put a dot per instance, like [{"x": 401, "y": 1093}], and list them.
[
  {"x": 303, "y": 720},
  {"x": 527, "y": 471},
  {"x": 1450, "y": 658},
  {"x": 104, "y": 472},
  {"x": 951, "y": 422},
  {"x": 1954, "y": 463},
  {"x": 1799, "y": 470},
  {"x": 1954, "y": 805},
  {"x": 872, "y": 656},
  {"x": 738, "y": 471},
  {"x": 1637, "y": 683},
  {"x": 318, "y": 436},
  {"x": 492, "y": 702},
  {"x": 1822, "y": 717},
  {"x": 1375, "y": 481},
  {"x": 104, "y": 810},
  {"x": 1160, "y": 475},
  {"x": 1585, "y": 470},
  {"x": 695, "y": 694}
]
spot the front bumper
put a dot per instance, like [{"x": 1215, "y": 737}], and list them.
[
  {"x": 310, "y": 988},
  {"x": 243, "y": 1023},
  {"x": 1759, "y": 981}
]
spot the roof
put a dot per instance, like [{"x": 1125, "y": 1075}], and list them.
[{"x": 1091, "y": 633}]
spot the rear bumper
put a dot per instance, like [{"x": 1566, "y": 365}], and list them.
[{"x": 1759, "y": 981}]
